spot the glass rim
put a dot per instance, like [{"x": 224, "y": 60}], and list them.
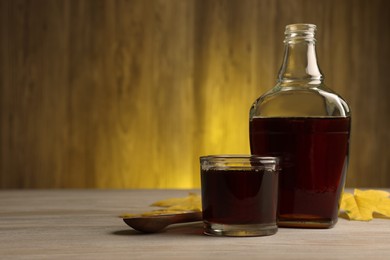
[
  {"x": 295, "y": 33},
  {"x": 238, "y": 157},
  {"x": 300, "y": 27}
]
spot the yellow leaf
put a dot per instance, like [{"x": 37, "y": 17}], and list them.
[
  {"x": 172, "y": 206},
  {"x": 349, "y": 205},
  {"x": 373, "y": 194},
  {"x": 384, "y": 208},
  {"x": 362, "y": 204},
  {"x": 191, "y": 201}
]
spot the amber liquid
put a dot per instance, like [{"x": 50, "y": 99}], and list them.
[
  {"x": 314, "y": 158},
  {"x": 239, "y": 196}
]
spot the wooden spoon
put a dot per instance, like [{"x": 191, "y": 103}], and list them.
[{"x": 156, "y": 223}]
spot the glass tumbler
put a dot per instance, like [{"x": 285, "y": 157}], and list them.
[{"x": 239, "y": 195}]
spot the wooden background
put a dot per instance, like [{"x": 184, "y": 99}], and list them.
[{"x": 129, "y": 94}]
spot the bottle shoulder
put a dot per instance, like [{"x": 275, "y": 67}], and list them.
[{"x": 292, "y": 101}]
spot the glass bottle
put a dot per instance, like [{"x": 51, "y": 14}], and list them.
[{"x": 308, "y": 126}]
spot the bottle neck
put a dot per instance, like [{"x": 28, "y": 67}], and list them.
[{"x": 300, "y": 60}]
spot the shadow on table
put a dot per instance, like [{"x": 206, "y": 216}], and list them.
[{"x": 192, "y": 229}]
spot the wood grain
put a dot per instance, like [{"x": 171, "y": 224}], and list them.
[{"x": 129, "y": 94}]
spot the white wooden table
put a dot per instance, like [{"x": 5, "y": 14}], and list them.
[{"x": 83, "y": 224}]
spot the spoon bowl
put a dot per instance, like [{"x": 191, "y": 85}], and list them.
[{"x": 156, "y": 223}]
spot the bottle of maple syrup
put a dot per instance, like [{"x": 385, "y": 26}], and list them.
[{"x": 308, "y": 126}]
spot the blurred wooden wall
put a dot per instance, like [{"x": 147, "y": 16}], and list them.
[{"x": 128, "y": 94}]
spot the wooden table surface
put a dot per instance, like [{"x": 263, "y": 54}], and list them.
[{"x": 83, "y": 224}]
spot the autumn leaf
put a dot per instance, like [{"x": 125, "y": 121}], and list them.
[
  {"x": 363, "y": 204},
  {"x": 190, "y": 203},
  {"x": 172, "y": 206}
]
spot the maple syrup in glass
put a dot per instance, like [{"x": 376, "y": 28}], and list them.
[
  {"x": 308, "y": 126},
  {"x": 239, "y": 195}
]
